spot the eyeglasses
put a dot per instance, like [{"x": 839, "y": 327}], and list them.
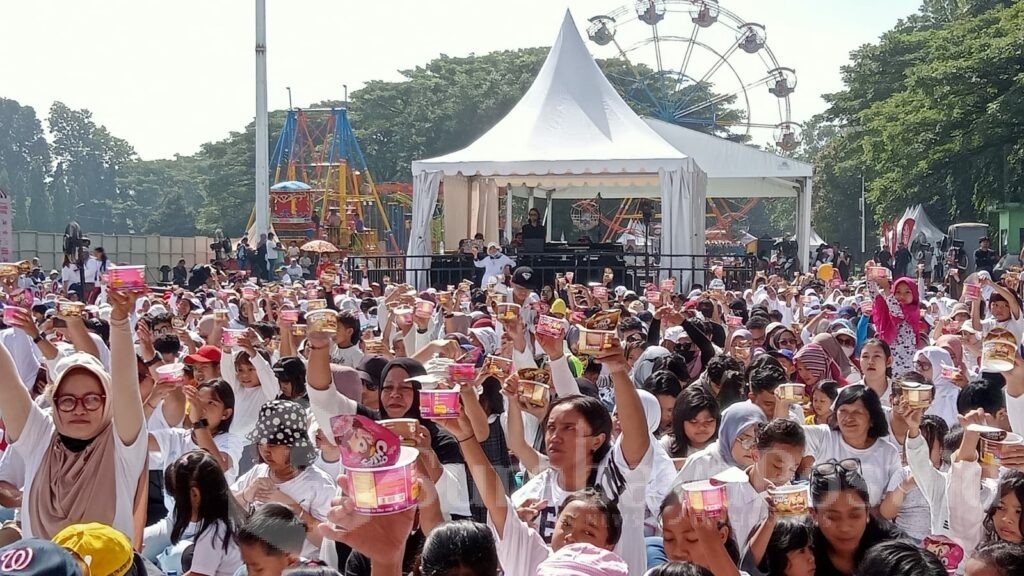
[
  {"x": 747, "y": 443},
  {"x": 923, "y": 364},
  {"x": 835, "y": 467},
  {"x": 91, "y": 402},
  {"x": 787, "y": 342}
]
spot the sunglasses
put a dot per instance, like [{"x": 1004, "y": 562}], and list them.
[{"x": 835, "y": 467}]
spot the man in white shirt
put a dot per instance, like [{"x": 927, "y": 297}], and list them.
[{"x": 293, "y": 269}]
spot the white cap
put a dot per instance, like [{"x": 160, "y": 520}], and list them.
[{"x": 674, "y": 333}]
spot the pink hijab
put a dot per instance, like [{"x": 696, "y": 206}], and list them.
[{"x": 888, "y": 326}]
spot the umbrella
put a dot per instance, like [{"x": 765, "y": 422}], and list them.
[
  {"x": 319, "y": 246},
  {"x": 291, "y": 185}
]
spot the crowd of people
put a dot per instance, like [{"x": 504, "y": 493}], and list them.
[{"x": 871, "y": 426}]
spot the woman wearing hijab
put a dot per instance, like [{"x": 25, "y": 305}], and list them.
[
  {"x": 929, "y": 361},
  {"x": 897, "y": 319},
  {"x": 663, "y": 470},
  {"x": 778, "y": 337},
  {"x": 830, "y": 344},
  {"x": 399, "y": 397},
  {"x": 736, "y": 438},
  {"x": 739, "y": 345},
  {"x": 954, "y": 345},
  {"x": 83, "y": 461},
  {"x": 814, "y": 364},
  {"x": 644, "y": 365}
]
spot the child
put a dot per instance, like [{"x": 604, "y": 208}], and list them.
[
  {"x": 821, "y": 402},
  {"x": 271, "y": 540}
]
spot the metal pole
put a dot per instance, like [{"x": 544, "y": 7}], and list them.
[
  {"x": 289, "y": 89},
  {"x": 345, "y": 88},
  {"x": 262, "y": 137},
  {"x": 863, "y": 220}
]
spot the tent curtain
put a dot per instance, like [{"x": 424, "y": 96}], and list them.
[
  {"x": 424, "y": 196},
  {"x": 683, "y": 194}
]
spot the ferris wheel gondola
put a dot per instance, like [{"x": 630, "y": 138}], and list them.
[{"x": 712, "y": 71}]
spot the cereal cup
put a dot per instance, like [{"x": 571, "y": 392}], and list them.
[
  {"x": 67, "y": 309},
  {"x": 792, "y": 392},
  {"x": 24, "y": 267},
  {"x": 508, "y": 311},
  {"x": 388, "y": 489},
  {"x": 535, "y": 393},
  {"x": 249, "y": 292},
  {"x": 734, "y": 321},
  {"x": 424, "y": 309},
  {"x": 950, "y": 372},
  {"x": 9, "y": 314},
  {"x": 322, "y": 321},
  {"x": 866, "y": 307},
  {"x": 221, "y": 315},
  {"x": 405, "y": 428},
  {"x": 171, "y": 373},
  {"x": 498, "y": 366},
  {"x": 8, "y": 270},
  {"x": 992, "y": 444},
  {"x": 290, "y": 315},
  {"x": 595, "y": 341},
  {"x": 876, "y": 273},
  {"x": 705, "y": 499},
  {"x": 918, "y": 396},
  {"x": 445, "y": 297},
  {"x": 229, "y": 336},
  {"x": 439, "y": 404},
  {"x": 316, "y": 304},
  {"x": 298, "y": 330},
  {"x": 998, "y": 351},
  {"x": 790, "y": 500},
  {"x": 461, "y": 373},
  {"x": 127, "y": 277},
  {"x": 653, "y": 296},
  {"x": 550, "y": 326},
  {"x": 972, "y": 292},
  {"x": 600, "y": 292},
  {"x": 668, "y": 284},
  {"x": 312, "y": 293}
]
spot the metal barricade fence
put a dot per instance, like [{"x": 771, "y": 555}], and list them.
[{"x": 628, "y": 269}]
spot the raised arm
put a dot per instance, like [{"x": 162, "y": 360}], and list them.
[
  {"x": 484, "y": 475},
  {"x": 636, "y": 438},
  {"x": 124, "y": 376},
  {"x": 515, "y": 432},
  {"x": 15, "y": 401}
]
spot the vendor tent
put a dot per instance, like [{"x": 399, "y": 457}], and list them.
[
  {"x": 570, "y": 129},
  {"x": 924, "y": 230}
]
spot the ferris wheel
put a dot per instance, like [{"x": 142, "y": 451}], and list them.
[{"x": 699, "y": 65}]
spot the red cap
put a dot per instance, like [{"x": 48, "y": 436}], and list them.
[{"x": 205, "y": 354}]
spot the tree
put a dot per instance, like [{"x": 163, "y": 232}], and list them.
[{"x": 24, "y": 163}]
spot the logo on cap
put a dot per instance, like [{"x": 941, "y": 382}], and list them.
[{"x": 16, "y": 560}]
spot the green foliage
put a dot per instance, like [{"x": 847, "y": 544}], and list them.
[
  {"x": 24, "y": 162},
  {"x": 933, "y": 114}
]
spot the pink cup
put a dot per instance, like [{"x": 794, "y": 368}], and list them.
[
  {"x": 290, "y": 315},
  {"x": 388, "y": 489},
  {"x": 668, "y": 284},
  {"x": 439, "y": 404},
  {"x": 734, "y": 321},
  {"x": 404, "y": 314},
  {"x": 127, "y": 277},
  {"x": 461, "y": 373},
  {"x": 867, "y": 306},
  {"x": 550, "y": 326},
  {"x": 170, "y": 373},
  {"x": 972, "y": 291},
  {"x": 600, "y": 292},
  {"x": 654, "y": 296},
  {"x": 311, "y": 293},
  {"x": 229, "y": 336},
  {"x": 705, "y": 499},
  {"x": 249, "y": 293},
  {"x": 9, "y": 312}
]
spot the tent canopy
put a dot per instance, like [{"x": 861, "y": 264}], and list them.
[
  {"x": 571, "y": 128},
  {"x": 923, "y": 227}
]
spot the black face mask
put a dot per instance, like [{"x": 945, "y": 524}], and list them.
[{"x": 686, "y": 351}]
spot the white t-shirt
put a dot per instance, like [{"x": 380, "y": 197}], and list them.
[
  {"x": 350, "y": 356},
  {"x": 1015, "y": 412},
  {"x": 129, "y": 461},
  {"x": 520, "y": 548},
  {"x": 626, "y": 487},
  {"x": 312, "y": 489},
  {"x": 176, "y": 442},
  {"x": 880, "y": 463},
  {"x": 1014, "y": 325},
  {"x": 701, "y": 465},
  {"x": 12, "y": 468},
  {"x": 747, "y": 509},
  {"x": 209, "y": 556}
]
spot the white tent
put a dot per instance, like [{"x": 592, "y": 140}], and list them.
[
  {"x": 570, "y": 129},
  {"x": 923, "y": 227},
  {"x": 739, "y": 171}
]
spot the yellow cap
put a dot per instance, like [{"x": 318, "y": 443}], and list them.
[
  {"x": 107, "y": 551},
  {"x": 558, "y": 306}
]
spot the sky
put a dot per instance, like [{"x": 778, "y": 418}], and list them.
[{"x": 169, "y": 76}]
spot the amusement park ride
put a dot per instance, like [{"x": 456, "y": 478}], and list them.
[
  {"x": 701, "y": 66},
  {"x": 688, "y": 62},
  {"x": 323, "y": 188}
]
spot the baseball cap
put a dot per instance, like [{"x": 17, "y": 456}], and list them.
[
  {"x": 674, "y": 333},
  {"x": 37, "y": 557},
  {"x": 107, "y": 551},
  {"x": 716, "y": 284},
  {"x": 206, "y": 354},
  {"x": 523, "y": 276},
  {"x": 583, "y": 560}
]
